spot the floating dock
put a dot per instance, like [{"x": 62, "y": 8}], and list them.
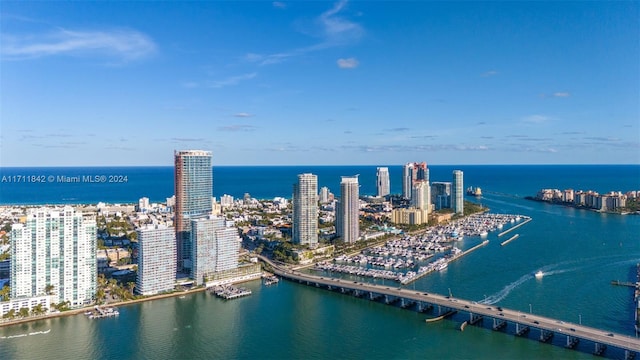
[
  {"x": 509, "y": 240},
  {"x": 229, "y": 292}
]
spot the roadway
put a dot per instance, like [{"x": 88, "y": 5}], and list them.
[{"x": 514, "y": 316}]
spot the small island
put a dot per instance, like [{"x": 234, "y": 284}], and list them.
[{"x": 611, "y": 202}]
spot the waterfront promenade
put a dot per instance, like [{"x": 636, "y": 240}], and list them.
[{"x": 523, "y": 322}]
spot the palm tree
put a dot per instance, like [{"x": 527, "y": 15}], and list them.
[
  {"x": 49, "y": 289},
  {"x": 10, "y": 314},
  {"x": 23, "y": 312}
]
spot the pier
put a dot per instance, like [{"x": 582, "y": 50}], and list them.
[
  {"x": 229, "y": 292},
  {"x": 99, "y": 313},
  {"x": 510, "y": 240},
  {"x": 513, "y": 228},
  {"x": 535, "y": 327},
  {"x": 270, "y": 280}
]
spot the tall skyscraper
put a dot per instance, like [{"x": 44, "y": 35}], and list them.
[
  {"x": 348, "y": 210},
  {"x": 407, "y": 180},
  {"x": 325, "y": 195},
  {"x": 410, "y": 173},
  {"x": 193, "y": 191},
  {"x": 421, "y": 171},
  {"x": 457, "y": 192},
  {"x": 156, "y": 259},
  {"x": 55, "y": 247},
  {"x": 421, "y": 195},
  {"x": 215, "y": 247},
  {"x": 383, "y": 185},
  {"x": 305, "y": 210},
  {"x": 441, "y": 195}
]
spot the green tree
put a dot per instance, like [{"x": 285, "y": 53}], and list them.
[
  {"x": 48, "y": 289},
  {"x": 38, "y": 310},
  {"x": 4, "y": 293},
  {"x": 10, "y": 314},
  {"x": 23, "y": 312}
]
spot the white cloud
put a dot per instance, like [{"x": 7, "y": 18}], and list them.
[
  {"x": 125, "y": 45},
  {"x": 489, "y": 73},
  {"x": 536, "y": 119},
  {"x": 349, "y": 63},
  {"x": 279, "y": 5},
  {"x": 242, "y": 115},
  {"x": 332, "y": 29},
  {"x": 237, "y": 127},
  {"x": 561, "y": 94},
  {"x": 233, "y": 80}
]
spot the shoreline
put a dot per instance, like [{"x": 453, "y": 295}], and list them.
[
  {"x": 81, "y": 310},
  {"x": 571, "y": 205}
]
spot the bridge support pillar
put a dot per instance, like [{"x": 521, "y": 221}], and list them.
[
  {"x": 521, "y": 329},
  {"x": 573, "y": 341},
  {"x": 600, "y": 348},
  {"x": 499, "y": 324},
  {"x": 545, "y": 335},
  {"x": 629, "y": 355}
]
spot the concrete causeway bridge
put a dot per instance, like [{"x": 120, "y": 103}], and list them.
[{"x": 535, "y": 327}]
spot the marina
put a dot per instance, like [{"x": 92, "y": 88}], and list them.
[{"x": 407, "y": 258}]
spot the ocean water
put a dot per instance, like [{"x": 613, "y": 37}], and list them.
[
  {"x": 579, "y": 251},
  {"x": 128, "y": 184}
]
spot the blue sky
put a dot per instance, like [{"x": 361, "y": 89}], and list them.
[{"x": 359, "y": 82}]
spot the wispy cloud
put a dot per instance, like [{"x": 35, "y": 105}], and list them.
[
  {"x": 123, "y": 45},
  {"x": 187, "y": 139},
  {"x": 237, "y": 127},
  {"x": 333, "y": 30},
  {"x": 535, "y": 119},
  {"x": 414, "y": 148},
  {"x": 349, "y": 63},
  {"x": 561, "y": 94},
  {"x": 398, "y": 129},
  {"x": 230, "y": 81},
  {"x": 243, "y": 115},
  {"x": 279, "y": 5},
  {"x": 489, "y": 73}
]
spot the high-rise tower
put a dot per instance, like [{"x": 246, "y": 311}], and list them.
[
  {"x": 305, "y": 210},
  {"x": 383, "y": 185},
  {"x": 457, "y": 194},
  {"x": 421, "y": 195},
  {"x": 348, "y": 210},
  {"x": 55, "y": 247},
  {"x": 193, "y": 190},
  {"x": 407, "y": 180},
  {"x": 156, "y": 259}
]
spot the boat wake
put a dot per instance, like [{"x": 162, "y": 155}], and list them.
[
  {"x": 549, "y": 270},
  {"x": 500, "y": 295},
  {"x": 26, "y": 334}
]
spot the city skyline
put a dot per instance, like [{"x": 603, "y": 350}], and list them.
[{"x": 289, "y": 83}]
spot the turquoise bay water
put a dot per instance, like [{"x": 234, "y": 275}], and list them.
[{"x": 579, "y": 251}]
